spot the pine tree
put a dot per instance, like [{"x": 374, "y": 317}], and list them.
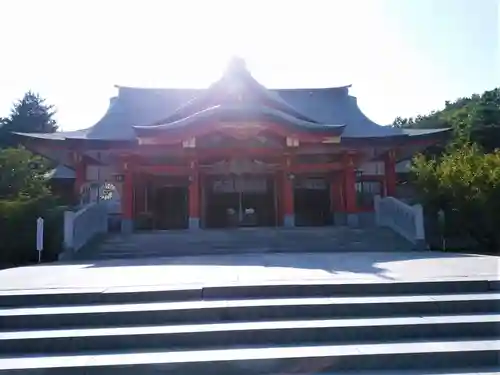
[{"x": 28, "y": 115}]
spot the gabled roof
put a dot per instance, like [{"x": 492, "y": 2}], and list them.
[{"x": 139, "y": 108}]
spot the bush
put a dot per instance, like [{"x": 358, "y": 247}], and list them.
[{"x": 18, "y": 230}]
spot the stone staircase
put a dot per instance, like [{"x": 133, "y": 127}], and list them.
[
  {"x": 246, "y": 240},
  {"x": 440, "y": 327}
]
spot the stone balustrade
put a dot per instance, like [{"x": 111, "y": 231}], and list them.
[
  {"x": 83, "y": 225},
  {"x": 404, "y": 219}
]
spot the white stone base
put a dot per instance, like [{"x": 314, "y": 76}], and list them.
[
  {"x": 194, "y": 223},
  {"x": 127, "y": 226},
  {"x": 352, "y": 220},
  {"x": 289, "y": 221}
]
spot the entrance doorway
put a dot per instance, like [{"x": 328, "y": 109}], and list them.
[
  {"x": 312, "y": 202},
  {"x": 170, "y": 207},
  {"x": 240, "y": 201}
]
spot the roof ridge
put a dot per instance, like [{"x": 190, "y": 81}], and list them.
[{"x": 308, "y": 88}]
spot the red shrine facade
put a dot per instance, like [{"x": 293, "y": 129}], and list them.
[{"x": 234, "y": 154}]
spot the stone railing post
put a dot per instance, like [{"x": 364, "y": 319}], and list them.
[
  {"x": 104, "y": 217},
  {"x": 419, "y": 226},
  {"x": 376, "y": 204},
  {"x": 69, "y": 230}
]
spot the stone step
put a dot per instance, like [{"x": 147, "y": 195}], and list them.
[
  {"x": 270, "y": 359},
  {"x": 203, "y": 336},
  {"x": 246, "y": 310},
  {"x": 133, "y": 253},
  {"x": 47, "y": 297},
  {"x": 477, "y": 371},
  {"x": 248, "y": 240}
]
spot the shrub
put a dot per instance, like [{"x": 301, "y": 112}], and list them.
[{"x": 18, "y": 230}]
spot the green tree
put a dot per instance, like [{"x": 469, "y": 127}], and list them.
[
  {"x": 476, "y": 118},
  {"x": 30, "y": 114},
  {"x": 22, "y": 175},
  {"x": 465, "y": 183}
]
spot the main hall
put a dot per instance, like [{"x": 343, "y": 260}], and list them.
[{"x": 235, "y": 154}]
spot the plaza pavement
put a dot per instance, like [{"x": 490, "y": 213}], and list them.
[{"x": 247, "y": 269}]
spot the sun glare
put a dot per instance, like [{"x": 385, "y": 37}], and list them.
[{"x": 88, "y": 47}]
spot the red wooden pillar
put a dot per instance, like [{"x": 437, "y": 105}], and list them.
[
  {"x": 350, "y": 191},
  {"x": 127, "y": 198},
  {"x": 80, "y": 175},
  {"x": 194, "y": 197},
  {"x": 278, "y": 197},
  {"x": 139, "y": 194},
  {"x": 390, "y": 173},
  {"x": 288, "y": 209},
  {"x": 336, "y": 205}
]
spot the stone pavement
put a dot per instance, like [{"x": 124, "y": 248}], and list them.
[{"x": 249, "y": 269}]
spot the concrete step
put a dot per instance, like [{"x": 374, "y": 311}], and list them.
[
  {"x": 47, "y": 297},
  {"x": 271, "y": 359},
  {"x": 246, "y": 310},
  {"x": 204, "y": 336}
]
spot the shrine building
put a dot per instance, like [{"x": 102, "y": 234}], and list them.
[{"x": 234, "y": 154}]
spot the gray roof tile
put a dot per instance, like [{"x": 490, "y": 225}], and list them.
[
  {"x": 60, "y": 172},
  {"x": 236, "y": 110}
]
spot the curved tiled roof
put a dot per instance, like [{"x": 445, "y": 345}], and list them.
[
  {"x": 336, "y": 106},
  {"x": 237, "y": 112}
]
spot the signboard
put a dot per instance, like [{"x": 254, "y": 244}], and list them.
[
  {"x": 243, "y": 185},
  {"x": 312, "y": 184},
  {"x": 39, "y": 237},
  {"x": 241, "y": 130}
]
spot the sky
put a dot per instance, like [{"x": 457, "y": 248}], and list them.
[{"x": 402, "y": 57}]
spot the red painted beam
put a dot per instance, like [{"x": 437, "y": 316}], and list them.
[
  {"x": 238, "y": 130},
  {"x": 238, "y": 152}
]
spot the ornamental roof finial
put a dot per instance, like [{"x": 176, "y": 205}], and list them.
[{"x": 236, "y": 66}]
